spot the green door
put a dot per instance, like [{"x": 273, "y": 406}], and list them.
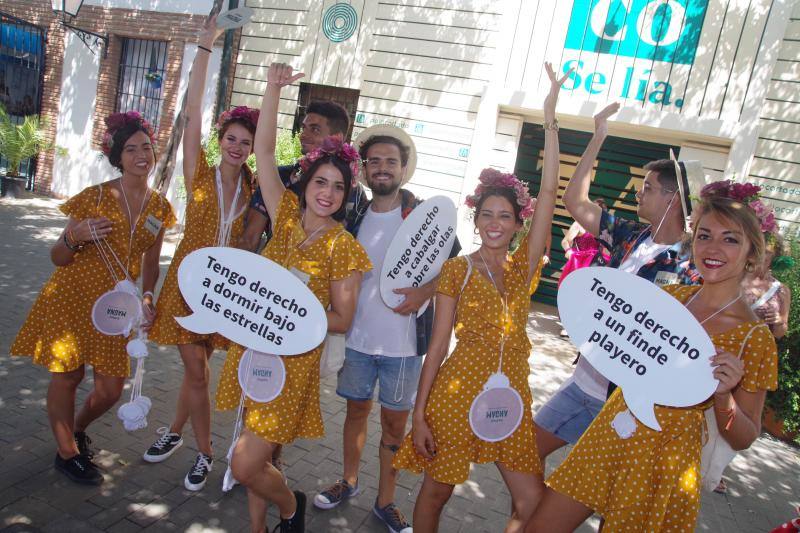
[{"x": 617, "y": 174}]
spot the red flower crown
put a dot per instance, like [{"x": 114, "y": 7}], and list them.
[
  {"x": 749, "y": 195},
  {"x": 242, "y": 112},
  {"x": 117, "y": 121},
  {"x": 335, "y": 147},
  {"x": 492, "y": 179}
]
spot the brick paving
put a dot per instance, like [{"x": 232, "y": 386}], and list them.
[{"x": 764, "y": 482}]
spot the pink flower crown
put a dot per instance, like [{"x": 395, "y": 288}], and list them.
[
  {"x": 242, "y": 112},
  {"x": 492, "y": 179},
  {"x": 335, "y": 147},
  {"x": 117, "y": 121},
  {"x": 748, "y": 194}
]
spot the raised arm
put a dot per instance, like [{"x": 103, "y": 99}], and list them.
[
  {"x": 278, "y": 76},
  {"x": 192, "y": 131},
  {"x": 546, "y": 200},
  {"x": 576, "y": 197}
]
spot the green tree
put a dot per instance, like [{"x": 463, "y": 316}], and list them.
[{"x": 18, "y": 142}]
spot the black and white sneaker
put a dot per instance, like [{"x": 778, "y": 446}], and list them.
[
  {"x": 79, "y": 469},
  {"x": 165, "y": 446},
  {"x": 196, "y": 478},
  {"x": 84, "y": 444}
]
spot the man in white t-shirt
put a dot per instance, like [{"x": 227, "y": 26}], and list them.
[
  {"x": 384, "y": 345},
  {"x": 654, "y": 251}
]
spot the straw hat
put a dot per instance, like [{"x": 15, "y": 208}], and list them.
[
  {"x": 390, "y": 131},
  {"x": 691, "y": 179}
]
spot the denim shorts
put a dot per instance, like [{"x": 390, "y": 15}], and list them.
[
  {"x": 568, "y": 413},
  {"x": 398, "y": 377}
]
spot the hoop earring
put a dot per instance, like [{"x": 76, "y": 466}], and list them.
[
  {"x": 749, "y": 267},
  {"x": 475, "y": 231}
]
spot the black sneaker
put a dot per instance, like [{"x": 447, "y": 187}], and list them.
[
  {"x": 297, "y": 523},
  {"x": 196, "y": 478},
  {"x": 83, "y": 441},
  {"x": 79, "y": 469},
  {"x": 165, "y": 446}
]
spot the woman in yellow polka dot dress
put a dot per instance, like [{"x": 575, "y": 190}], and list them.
[
  {"x": 309, "y": 240},
  {"x": 215, "y": 215},
  {"x": 650, "y": 481},
  {"x": 488, "y": 305},
  {"x": 59, "y": 333}
]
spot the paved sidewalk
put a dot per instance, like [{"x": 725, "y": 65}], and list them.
[{"x": 764, "y": 482}]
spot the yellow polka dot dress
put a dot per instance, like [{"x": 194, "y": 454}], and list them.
[
  {"x": 59, "y": 333},
  {"x": 334, "y": 256},
  {"x": 202, "y": 225},
  {"x": 478, "y": 328},
  {"x": 650, "y": 482}
]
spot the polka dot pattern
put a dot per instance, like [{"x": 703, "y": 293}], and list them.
[
  {"x": 58, "y": 332},
  {"x": 651, "y": 481},
  {"x": 333, "y": 256},
  {"x": 202, "y": 225},
  {"x": 478, "y": 328}
]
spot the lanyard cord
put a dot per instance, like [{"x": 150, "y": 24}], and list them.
[
  {"x": 132, "y": 223},
  {"x": 718, "y": 311},
  {"x": 225, "y": 226},
  {"x": 503, "y": 300},
  {"x": 106, "y": 254}
]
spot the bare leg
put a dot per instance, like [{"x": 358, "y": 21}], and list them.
[
  {"x": 193, "y": 400},
  {"x": 257, "y": 508},
  {"x": 546, "y": 443},
  {"x": 61, "y": 410},
  {"x": 393, "y": 428},
  {"x": 354, "y": 436},
  {"x": 526, "y": 491},
  {"x": 557, "y": 513},
  {"x": 430, "y": 502},
  {"x": 252, "y": 466},
  {"x": 106, "y": 392}
]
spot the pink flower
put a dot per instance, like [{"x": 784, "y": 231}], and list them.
[{"x": 493, "y": 178}]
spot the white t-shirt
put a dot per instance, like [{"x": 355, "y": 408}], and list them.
[
  {"x": 585, "y": 376},
  {"x": 376, "y": 329}
]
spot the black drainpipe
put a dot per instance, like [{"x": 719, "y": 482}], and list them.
[{"x": 224, "y": 69}]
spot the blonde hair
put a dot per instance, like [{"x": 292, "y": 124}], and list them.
[{"x": 741, "y": 215}]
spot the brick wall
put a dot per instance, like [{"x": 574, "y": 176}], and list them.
[{"x": 176, "y": 28}]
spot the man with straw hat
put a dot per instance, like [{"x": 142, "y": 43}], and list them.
[
  {"x": 384, "y": 345},
  {"x": 656, "y": 251}
]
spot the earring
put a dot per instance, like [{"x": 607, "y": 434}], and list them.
[
  {"x": 475, "y": 231},
  {"x": 749, "y": 267}
]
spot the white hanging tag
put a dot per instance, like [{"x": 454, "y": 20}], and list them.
[
  {"x": 116, "y": 312},
  {"x": 261, "y": 375},
  {"x": 624, "y": 424},
  {"x": 127, "y": 286},
  {"x": 496, "y": 412},
  {"x": 136, "y": 348}
]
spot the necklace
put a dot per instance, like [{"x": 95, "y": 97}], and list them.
[
  {"x": 312, "y": 234},
  {"x": 131, "y": 222},
  {"x": 226, "y": 222},
  {"x": 718, "y": 311}
]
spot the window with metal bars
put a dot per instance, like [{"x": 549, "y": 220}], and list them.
[{"x": 142, "y": 70}]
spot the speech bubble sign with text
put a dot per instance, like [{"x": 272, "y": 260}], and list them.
[
  {"x": 251, "y": 301},
  {"x": 419, "y": 248},
  {"x": 639, "y": 337}
]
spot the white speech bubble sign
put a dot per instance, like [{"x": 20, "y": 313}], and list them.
[
  {"x": 251, "y": 301},
  {"x": 639, "y": 337},
  {"x": 235, "y": 18},
  {"x": 419, "y": 248}
]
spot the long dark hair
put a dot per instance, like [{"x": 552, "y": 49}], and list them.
[
  {"x": 347, "y": 175},
  {"x": 121, "y": 136}
]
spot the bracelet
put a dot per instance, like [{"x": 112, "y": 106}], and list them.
[
  {"x": 149, "y": 293},
  {"x": 553, "y": 126},
  {"x": 730, "y": 413},
  {"x": 201, "y": 47},
  {"x": 69, "y": 245}
]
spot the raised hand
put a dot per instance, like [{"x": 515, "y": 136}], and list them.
[
  {"x": 601, "y": 119},
  {"x": 209, "y": 32},
  {"x": 281, "y": 75},
  {"x": 555, "y": 88}
]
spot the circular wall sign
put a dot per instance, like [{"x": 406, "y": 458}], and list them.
[{"x": 339, "y": 22}]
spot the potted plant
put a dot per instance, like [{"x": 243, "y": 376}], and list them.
[
  {"x": 18, "y": 142},
  {"x": 784, "y": 404},
  {"x": 154, "y": 79}
]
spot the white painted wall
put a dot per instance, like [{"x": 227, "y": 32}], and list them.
[
  {"x": 82, "y": 165},
  {"x": 168, "y": 6}
]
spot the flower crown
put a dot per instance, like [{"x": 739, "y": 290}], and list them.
[
  {"x": 242, "y": 112},
  {"x": 117, "y": 121},
  {"x": 491, "y": 179},
  {"x": 335, "y": 147},
  {"x": 749, "y": 195}
]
